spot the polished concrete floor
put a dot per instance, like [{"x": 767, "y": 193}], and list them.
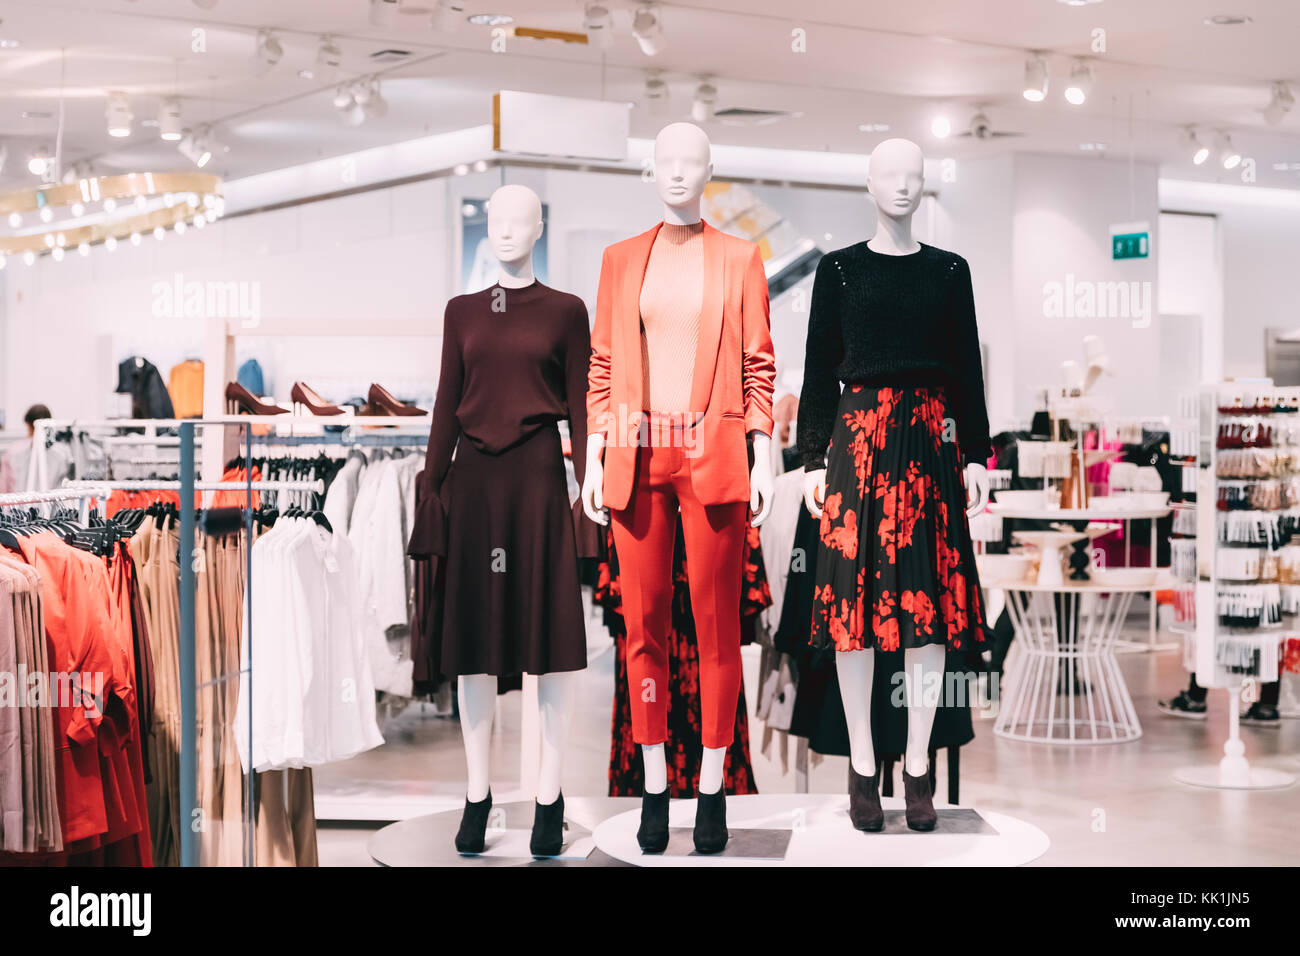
[{"x": 1100, "y": 805}]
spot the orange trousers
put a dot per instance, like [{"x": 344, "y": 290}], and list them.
[{"x": 644, "y": 536}]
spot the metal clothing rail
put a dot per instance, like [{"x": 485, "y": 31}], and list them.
[
  {"x": 145, "y": 484},
  {"x": 82, "y": 494}
]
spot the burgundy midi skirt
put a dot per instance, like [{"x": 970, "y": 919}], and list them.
[
  {"x": 895, "y": 568},
  {"x": 513, "y": 600}
]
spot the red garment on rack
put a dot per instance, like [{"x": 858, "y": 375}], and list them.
[{"x": 121, "y": 499}]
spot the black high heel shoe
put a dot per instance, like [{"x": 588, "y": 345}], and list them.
[
  {"x": 652, "y": 835},
  {"x": 711, "y": 822},
  {"x": 864, "y": 801},
  {"x": 473, "y": 825},
  {"x": 921, "y": 815},
  {"x": 548, "y": 829}
]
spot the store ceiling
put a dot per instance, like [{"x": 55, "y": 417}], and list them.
[{"x": 867, "y": 63}]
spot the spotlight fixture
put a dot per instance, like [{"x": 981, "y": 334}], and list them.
[
  {"x": 1197, "y": 150},
  {"x": 39, "y": 161},
  {"x": 448, "y": 14},
  {"x": 599, "y": 25},
  {"x": 197, "y": 147},
  {"x": 1036, "y": 76},
  {"x": 118, "y": 114},
  {"x": 381, "y": 12},
  {"x": 351, "y": 112},
  {"x": 648, "y": 29},
  {"x": 169, "y": 120},
  {"x": 1229, "y": 156},
  {"x": 941, "y": 126},
  {"x": 328, "y": 60},
  {"x": 268, "y": 51},
  {"x": 705, "y": 101},
  {"x": 1080, "y": 85},
  {"x": 1280, "y": 102},
  {"x": 370, "y": 99}
]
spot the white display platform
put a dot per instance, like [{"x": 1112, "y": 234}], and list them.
[
  {"x": 1254, "y": 778},
  {"x": 821, "y": 835}
]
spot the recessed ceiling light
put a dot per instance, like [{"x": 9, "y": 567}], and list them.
[
  {"x": 873, "y": 127},
  {"x": 490, "y": 19},
  {"x": 7, "y": 44},
  {"x": 37, "y": 114},
  {"x": 1227, "y": 20},
  {"x": 1093, "y": 147}
]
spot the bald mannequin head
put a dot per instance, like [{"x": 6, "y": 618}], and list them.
[
  {"x": 514, "y": 222},
  {"x": 896, "y": 177},
  {"x": 683, "y": 164}
]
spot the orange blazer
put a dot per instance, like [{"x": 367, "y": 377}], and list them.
[{"x": 731, "y": 391}]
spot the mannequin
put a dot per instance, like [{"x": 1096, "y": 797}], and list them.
[
  {"x": 895, "y": 182},
  {"x": 711, "y": 436},
  {"x": 465, "y": 420}
]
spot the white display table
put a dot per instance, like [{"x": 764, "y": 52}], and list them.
[
  {"x": 800, "y": 829},
  {"x": 1101, "y": 514},
  {"x": 1066, "y": 687}
]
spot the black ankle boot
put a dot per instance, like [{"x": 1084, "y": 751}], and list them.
[
  {"x": 920, "y": 802},
  {"x": 652, "y": 835},
  {"x": 473, "y": 825},
  {"x": 711, "y": 822},
  {"x": 864, "y": 801},
  {"x": 548, "y": 829}
]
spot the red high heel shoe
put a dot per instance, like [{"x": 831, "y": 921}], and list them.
[
  {"x": 382, "y": 402},
  {"x": 308, "y": 399},
  {"x": 240, "y": 401}
]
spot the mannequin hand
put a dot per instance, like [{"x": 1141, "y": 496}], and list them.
[
  {"x": 977, "y": 489},
  {"x": 814, "y": 491},
  {"x": 593, "y": 482},
  {"x": 760, "y": 479}
]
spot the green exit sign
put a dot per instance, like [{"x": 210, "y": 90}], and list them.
[{"x": 1130, "y": 245}]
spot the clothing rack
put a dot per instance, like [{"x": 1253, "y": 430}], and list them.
[
  {"x": 146, "y": 484},
  {"x": 84, "y": 493}
]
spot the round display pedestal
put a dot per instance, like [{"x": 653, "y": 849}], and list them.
[
  {"x": 814, "y": 830},
  {"x": 1234, "y": 773}
]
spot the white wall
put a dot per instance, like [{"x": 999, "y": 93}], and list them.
[{"x": 1259, "y": 250}]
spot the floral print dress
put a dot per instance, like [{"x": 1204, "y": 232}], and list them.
[{"x": 896, "y": 568}]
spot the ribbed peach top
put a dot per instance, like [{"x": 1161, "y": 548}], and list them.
[{"x": 671, "y": 297}]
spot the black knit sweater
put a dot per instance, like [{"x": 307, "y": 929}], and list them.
[{"x": 892, "y": 320}]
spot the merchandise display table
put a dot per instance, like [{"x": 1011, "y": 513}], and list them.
[
  {"x": 427, "y": 840},
  {"x": 800, "y": 829},
  {"x": 1067, "y": 687},
  {"x": 1151, "y": 515}
]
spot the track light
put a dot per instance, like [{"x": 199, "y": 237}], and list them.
[
  {"x": 599, "y": 25},
  {"x": 268, "y": 51},
  {"x": 381, "y": 12},
  {"x": 1035, "y": 87},
  {"x": 648, "y": 30},
  {"x": 1228, "y": 154},
  {"x": 118, "y": 115},
  {"x": 1080, "y": 85},
  {"x": 704, "y": 102},
  {"x": 197, "y": 146},
  {"x": 350, "y": 111},
  {"x": 941, "y": 126},
  {"x": 1280, "y": 102},
  {"x": 39, "y": 161},
  {"x": 169, "y": 120},
  {"x": 1197, "y": 150},
  {"x": 329, "y": 57},
  {"x": 447, "y": 15},
  {"x": 367, "y": 95}
]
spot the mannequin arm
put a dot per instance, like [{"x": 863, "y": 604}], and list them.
[
  {"x": 814, "y": 491},
  {"x": 760, "y": 478},
  {"x": 977, "y": 489},
  {"x": 593, "y": 480}
]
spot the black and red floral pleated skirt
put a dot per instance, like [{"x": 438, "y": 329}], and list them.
[{"x": 896, "y": 568}]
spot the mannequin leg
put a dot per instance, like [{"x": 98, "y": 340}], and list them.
[
  {"x": 656, "y": 768},
  {"x": 711, "y": 765},
  {"x": 856, "y": 671},
  {"x": 555, "y": 701},
  {"x": 478, "y": 696},
  {"x": 922, "y": 674}
]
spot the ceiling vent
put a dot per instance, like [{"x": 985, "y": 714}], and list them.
[
  {"x": 389, "y": 56},
  {"x": 744, "y": 116}
]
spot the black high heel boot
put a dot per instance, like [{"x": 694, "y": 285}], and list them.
[
  {"x": 711, "y": 822},
  {"x": 473, "y": 825},
  {"x": 652, "y": 835},
  {"x": 548, "y": 829},
  {"x": 864, "y": 801},
  {"x": 920, "y": 802}
]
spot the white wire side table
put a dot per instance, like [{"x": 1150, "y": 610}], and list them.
[{"x": 1066, "y": 687}]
